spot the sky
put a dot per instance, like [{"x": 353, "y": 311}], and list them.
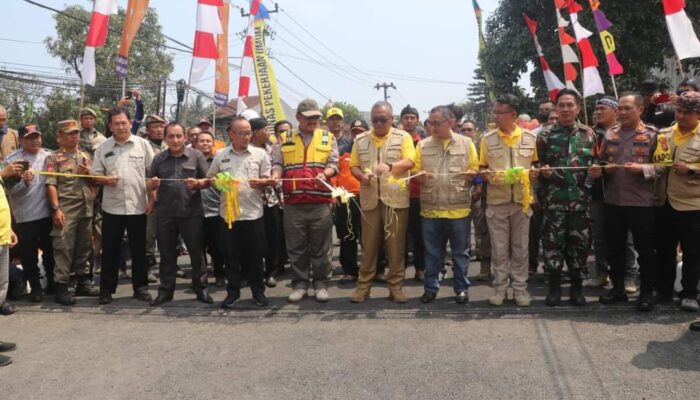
[{"x": 427, "y": 49}]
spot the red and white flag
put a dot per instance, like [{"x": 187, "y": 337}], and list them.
[
  {"x": 554, "y": 84},
  {"x": 205, "y": 48},
  {"x": 569, "y": 57},
  {"x": 592, "y": 84},
  {"x": 96, "y": 37},
  {"x": 247, "y": 64},
  {"x": 681, "y": 29}
]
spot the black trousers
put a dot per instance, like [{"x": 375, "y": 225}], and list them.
[
  {"x": 244, "y": 246},
  {"x": 673, "y": 227},
  {"x": 113, "y": 227},
  {"x": 272, "y": 218},
  {"x": 640, "y": 221},
  {"x": 415, "y": 231},
  {"x": 213, "y": 244},
  {"x": 349, "y": 235},
  {"x": 168, "y": 234},
  {"x": 35, "y": 235}
]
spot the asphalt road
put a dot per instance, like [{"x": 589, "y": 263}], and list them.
[{"x": 187, "y": 350}]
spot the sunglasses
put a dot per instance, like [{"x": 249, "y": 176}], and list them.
[
  {"x": 435, "y": 123},
  {"x": 380, "y": 121}
]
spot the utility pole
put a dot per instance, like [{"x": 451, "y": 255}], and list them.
[{"x": 386, "y": 87}]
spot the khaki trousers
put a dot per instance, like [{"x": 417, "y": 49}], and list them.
[
  {"x": 374, "y": 235},
  {"x": 72, "y": 246},
  {"x": 509, "y": 227}
]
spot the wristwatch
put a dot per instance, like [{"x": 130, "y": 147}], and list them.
[
  {"x": 54, "y": 208},
  {"x": 390, "y": 165},
  {"x": 691, "y": 171}
]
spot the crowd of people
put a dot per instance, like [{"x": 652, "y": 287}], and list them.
[{"x": 628, "y": 187}]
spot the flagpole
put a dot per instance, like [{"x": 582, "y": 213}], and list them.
[
  {"x": 680, "y": 67},
  {"x": 612, "y": 77},
  {"x": 583, "y": 88},
  {"x": 187, "y": 95},
  {"x": 82, "y": 93},
  {"x": 213, "y": 122},
  {"x": 123, "y": 87}
]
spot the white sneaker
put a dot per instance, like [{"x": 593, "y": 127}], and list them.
[
  {"x": 522, "y": 299},
  {"x": 322, "y": 295},
  {"x": 297, "y": 295},
  {"x": 689, "y": 305},
  {"x": 599, "y": 281},
  {"x": 630, "y": 286},
  {"x": 497, "y": 298}
]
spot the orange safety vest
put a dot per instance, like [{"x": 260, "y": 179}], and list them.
[
  {"x": 300, "y": 161},
  {"x": 345, "y": 179}
]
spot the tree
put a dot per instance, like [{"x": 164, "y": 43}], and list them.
[
  {"x": 478, "y": 107},
  {"x": 197, "y": 109},
  {"x": 350, "y": 112},
  {"x": 640, "y": 31},
  {"x": 148, "y": 61}
]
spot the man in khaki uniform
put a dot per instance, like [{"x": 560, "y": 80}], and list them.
[
  {"x": 678, "y": 203},
  {"x": 9, "y": 138},
  {"x": 377, "y": 155},
  {"x": 71, "y": 201},
  {"x": 507, "y": 147}
]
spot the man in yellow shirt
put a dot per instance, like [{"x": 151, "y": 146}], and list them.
[
  {"x": 507, "y": 147},
  {"x": 8, "y": 238},
  {"x": 448, "y": 163},
  {"x": 380, "y": 159}
]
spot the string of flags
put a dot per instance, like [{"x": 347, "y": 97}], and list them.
[{"x": 554, "y": 84}]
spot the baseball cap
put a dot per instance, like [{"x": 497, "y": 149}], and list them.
[
  {"x": 68, "y": 126},
  {"x": 257, "y": 123},
  {"x": 28, "y": 129},
  {"x": 309, "y": 108},
  {"x": 87, "y": 111},
  {"x": 154, "y": 119},
  {"x": 204, "y": 121},
  {"x": 334, "y": 111},
  {"x": 250, "y": 114}
]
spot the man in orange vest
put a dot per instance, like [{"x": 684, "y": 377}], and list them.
[
  {"x": 348, "y": 217},
  {"x": 306, "y": 159}
]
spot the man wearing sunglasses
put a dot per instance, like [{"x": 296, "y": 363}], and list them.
[
  {"x": 378, "y": 155},
  {"x": 306, "y": 160}
]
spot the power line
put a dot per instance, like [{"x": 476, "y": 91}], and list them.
[
  {"x": 19, "y": 41},
  {"x": 65, "y": 14},
  {"x": 301, "y": 79}
]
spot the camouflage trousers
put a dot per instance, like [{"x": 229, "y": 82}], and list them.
[{"x": 566, "y": 237}]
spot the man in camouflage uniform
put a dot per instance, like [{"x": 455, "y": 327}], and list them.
[
  {"x": 566, "y": 233},
  {"x": 71, "y": 202}
]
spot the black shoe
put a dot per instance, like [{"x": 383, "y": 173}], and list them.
[
  {"x": 220, "y": 282},
  {"x": 428, "y": 297},
  {"x": 163, "y": 297},
  {"x": 645, "y": 303},
  {"x": 7, "y": 346},
  {"x": 694, "y": 326},
  {"x": 63, "y": 296},
  {"x": 576, "y": 297},
  {"x": 260, "y": 299},
  {"x": 105, "y": 299},
  {"x": 271, "y": 282},
  {"x": 461, "y": 297},
  {"x": 142, "y": 296},
  {"x": 230, "y": 300},
  {"x": 554, "y": 295},
  {"x": 5, "y": 360},
  {"x": 36, "y": 295},
  {"x": 613, "y": 297},
  {"x": 203, "y": 296},
  {"x": 7, "y": 308},
  {"x": 85, "y": 288}
]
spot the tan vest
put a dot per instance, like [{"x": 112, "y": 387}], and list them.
[
  {"x": 682, "y": 192},
  {"x": 501, "y": 157},
  {"x": 369, "y": 156},
  {"x": 445, "y": 191}
]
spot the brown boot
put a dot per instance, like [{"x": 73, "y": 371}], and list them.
[
  {"x": 397, "y": 296},
  {"x": 361, "y": 294}
]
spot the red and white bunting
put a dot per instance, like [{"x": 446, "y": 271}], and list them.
[
  {"x": 96, "y": 37},
  {"x": 205, "y": 49},
  {"x": 554, "y": 84},
  {"x": 683, "y": 36},
  {"x": 592, "y": 84},
  {"x": 568, "y": 55},
  {"x": 247, "y": 65}
]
